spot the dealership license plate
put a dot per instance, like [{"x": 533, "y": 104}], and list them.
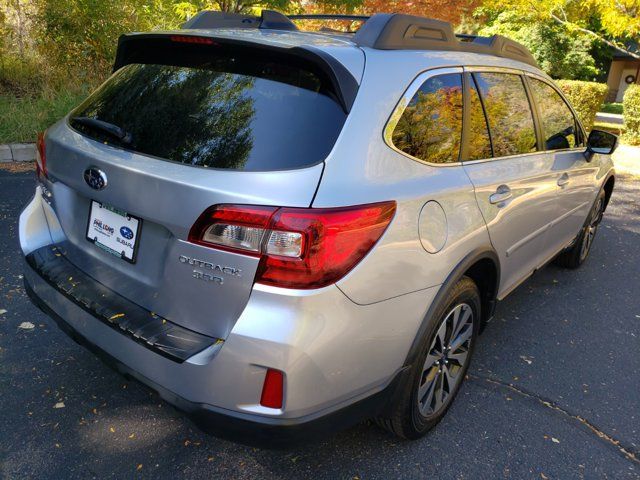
[{"x": 113, "y": 230}]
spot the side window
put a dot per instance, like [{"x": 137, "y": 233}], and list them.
[
  {"x": 508, "y": 112},
  {"x": 431, "y": 126},
  {"x": 478, "y": 136},
  {"x": 559, "y": 126}
]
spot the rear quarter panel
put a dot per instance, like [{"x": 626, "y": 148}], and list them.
[{"x": 364, "y": 169}]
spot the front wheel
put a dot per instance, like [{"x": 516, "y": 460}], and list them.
[
  {"x": 577, "y": 253},
  {"x": 439, "y": 370}
]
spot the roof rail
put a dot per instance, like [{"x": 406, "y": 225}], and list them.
[
  {"x": 383, "y": 31},
  {"x": 323, "y": 16},
  {"x": 407, "y": 32},
  {"x": 269, "y": 19}
]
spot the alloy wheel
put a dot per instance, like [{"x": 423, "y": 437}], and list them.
[{"x": 446, "y": 361}]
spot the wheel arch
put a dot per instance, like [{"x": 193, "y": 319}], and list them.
[
  {"x": 608, "y": 189},
  {"x": 482, "y": 259},
  {"x": 483, "y": 267}
]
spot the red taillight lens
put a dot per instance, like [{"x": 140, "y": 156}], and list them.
[
  {"x": 298, "y": 247},
  {"x": 336, "y": 239},
  {"x": 273, "y": 389},
  {"x": 41, "y": 157}
]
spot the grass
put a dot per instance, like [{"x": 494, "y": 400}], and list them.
[
  {"x": 34, "y": 95},
  {"x": 612, "y": 108},
  {"x": 21, "y": 118}
]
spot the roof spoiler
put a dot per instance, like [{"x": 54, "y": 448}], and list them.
[
  {"x": 382, "y": 31},
  {"x": 149, "y": 47}
]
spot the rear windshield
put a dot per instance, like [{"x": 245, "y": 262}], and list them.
[{"x": 228, "y": 112}]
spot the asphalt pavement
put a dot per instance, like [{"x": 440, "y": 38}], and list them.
[{"x": 553, "y": 390}]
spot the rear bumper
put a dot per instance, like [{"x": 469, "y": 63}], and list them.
[
  {"x": 242, "y": 427},
  {"x": 339, "y": 358}
]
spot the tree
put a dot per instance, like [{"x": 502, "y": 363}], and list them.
[
  {"x": 186, "y": 9},
  {"x": 448, "y": 10},
  {"x": 560, "y": 53},
  {"x": 615, "y": 23}
]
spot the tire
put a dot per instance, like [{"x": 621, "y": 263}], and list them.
[
  {"x": 578, "y": 252},
  {"x": 416, "y": 409}
]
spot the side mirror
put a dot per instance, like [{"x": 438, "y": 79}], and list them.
[{"x": 601, "y": 142}]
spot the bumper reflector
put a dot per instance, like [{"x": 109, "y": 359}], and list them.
[{"x": 273, "y": 388}]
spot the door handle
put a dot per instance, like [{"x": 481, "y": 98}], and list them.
[
  {"x": 503, "y": 193},
  {"x": 563, "y": 180}
]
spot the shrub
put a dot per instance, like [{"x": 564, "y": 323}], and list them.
[
  {"x": 631, "y": 103},
  {"x": 586, "y": 98}
]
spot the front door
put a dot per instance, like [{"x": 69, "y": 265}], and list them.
[{"x": 564, "y": 140}]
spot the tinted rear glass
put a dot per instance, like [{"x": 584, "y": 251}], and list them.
[{"x": 227, "y": 112}]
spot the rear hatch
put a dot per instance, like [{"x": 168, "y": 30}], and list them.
[{"x": 184, "y": 124}]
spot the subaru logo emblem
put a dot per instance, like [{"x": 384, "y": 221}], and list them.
[
  {"x": 126, "y": 232},
  {"x": 95, "y": 178}
]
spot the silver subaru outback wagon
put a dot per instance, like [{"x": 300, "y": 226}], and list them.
[{"x": 285, "y": 232}]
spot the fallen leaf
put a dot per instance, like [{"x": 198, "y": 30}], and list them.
[
  {"x": 3, "y": 311},
  {"x": 555, "y": 440},
  {"x": 132, "y": 435},
  {"x": 57, "y": 445},
  {"x": 529, "y": 361},
  {"x": 112, "y": 430},
  {"x": 27, "y": 326},
  {"x": 59, "y": 405},
  {"x": 139, "y": 467}
]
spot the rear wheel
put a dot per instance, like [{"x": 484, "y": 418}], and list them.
[
  {"x": 577, "y": 253},
  {"x": 437, "y": 374}
]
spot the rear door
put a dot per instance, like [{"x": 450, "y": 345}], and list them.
[
  {"x": 169, "y": 137},
  {"x": 515, "y": 183},
  {"x": 564, "y": 140}
]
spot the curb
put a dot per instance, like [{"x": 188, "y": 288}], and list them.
[{"x": 17, "y": 152}]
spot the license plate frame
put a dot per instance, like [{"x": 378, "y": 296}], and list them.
[{"x": 113, "y": 233}]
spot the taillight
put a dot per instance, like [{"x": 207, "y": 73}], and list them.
[
  {"x": 41, "y": 157},
  {"x": 298, "y": 247},
  {"x": 238, "y": 228}
]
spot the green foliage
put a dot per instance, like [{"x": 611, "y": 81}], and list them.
[
  {"x": 23, "y": 117},
  {"x": 559, "y": 53},
  {"x": 615, "y": 23},
  {"x": 631, "y": 102},
  {"x": 586, "y": 98},
  {"x": 80, "y": 36}
]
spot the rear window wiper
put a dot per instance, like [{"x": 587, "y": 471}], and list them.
[{"x": 109, "y": 128}]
